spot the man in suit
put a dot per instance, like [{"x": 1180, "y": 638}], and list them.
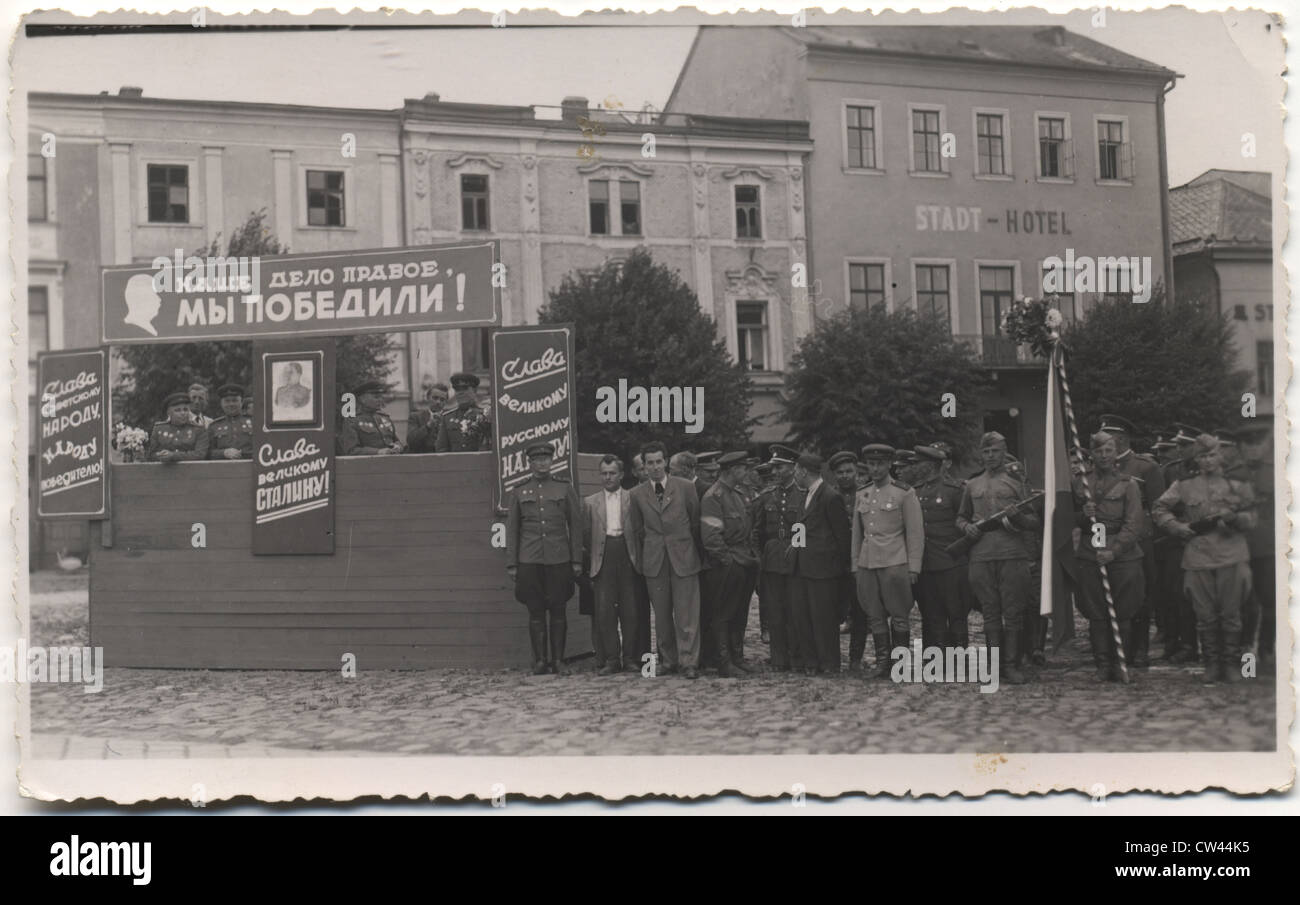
[
  {"x": 819, "y": 566},
  {"x": 605, "y": 524},
  {"x": 665, "y": 519}
]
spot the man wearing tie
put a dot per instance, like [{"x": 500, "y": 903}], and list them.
[
  {"x": 613, "y": 570},
  {"x": 665, "y": 521},
  {"x": 819, "y": 565}
]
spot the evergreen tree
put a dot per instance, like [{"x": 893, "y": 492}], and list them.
[{"x": 637, "y": 320}]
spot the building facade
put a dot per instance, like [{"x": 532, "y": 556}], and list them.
[
  {"x": 1223, "y": 256},
  {"x": 951, "y": 164}
]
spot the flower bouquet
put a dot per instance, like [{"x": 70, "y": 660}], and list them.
[
  {"x": 131, "y": 442},
  {"x": 1035, "y": 323}
]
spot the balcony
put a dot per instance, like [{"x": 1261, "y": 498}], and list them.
[{"x": 998, "y": 352}]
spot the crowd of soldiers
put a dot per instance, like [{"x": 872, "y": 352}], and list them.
[
  {"x": 849, "y": 545},
  {"x": 189, "y": 434}
]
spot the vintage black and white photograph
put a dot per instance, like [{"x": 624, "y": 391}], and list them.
[{"x": 676, "y": 404}]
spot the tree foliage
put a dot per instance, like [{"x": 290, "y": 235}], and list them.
[
  {"x": 866, "y": 376},
  {"x": 152, "y": 372},
  {"x": 1154, "y": 363},
  {"x": 637, "y": 320}
]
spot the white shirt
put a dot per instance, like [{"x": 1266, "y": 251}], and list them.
[
  {"x": 812, "y": 488},
  {"x": 613, "y": 514}
]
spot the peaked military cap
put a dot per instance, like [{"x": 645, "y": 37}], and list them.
[
  {"x": 1186, "y": 433},
  {"x": 371, "y": 386},
  {"x": 707, "y": 458},
  {"x": 931, "y": 453},
  {"x": 782, "y": 455},
  {"x": 177, "y": 399},
  {"x": 992, "y": 438},
  {"x": 764, "y": 469},
  {"x": 231, "y": 389},
  {"x": 1162, "y": 443},
  {"x": 904, "y": 456},
  {"x": 463, "y": 379},
  {"x": 1226, "y": 437},
  {"x": 541, "y": 448},
  {"x": 878, "y": 452},
  {"x": 1206, "y": 443},
  {"x": 726, "y": 460},
  {"x": 841, "y": 457},
  {"x": 1114, "y": 424}
]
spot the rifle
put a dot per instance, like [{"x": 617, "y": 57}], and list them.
[
  {"x": 959, "y": 547},
  {"x": 1207, "y": 523}
]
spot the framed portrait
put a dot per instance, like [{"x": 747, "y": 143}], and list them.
[{"x": 292, "y": 382}]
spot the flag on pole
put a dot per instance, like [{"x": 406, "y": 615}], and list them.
[{"x": 1058, "y": 569}]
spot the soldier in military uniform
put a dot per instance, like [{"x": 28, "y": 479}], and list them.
[
  {"x": 231, "y": 435},
  {"x": 999, "y": 559},
  {"x": 1216, "y": 560},
  {"x": 1180, "y": 619},
  {"x": 706, "y": 470},
  {"x": 726, "y": 531},
  {"x": 1033, "y": 633},
  {"x": 938, "y": 590},
  {"x": 1116, "y": 505},
  {"x": 370, "y": 432},
  {"x": 544, "y": 554},
  {"x": 178, "y": 439},
  {"x": 774, "y": 512},
  {"x": 464, "y": 427},
  {"x": 764, "y": 472},
  {"x": 844, "y": 467},
  {"x": 1256, "y": 467},
  {"x": 1151, "y": 483},
  {"x": 887, "y": 553},
  {"x": 904, "y": 462}
]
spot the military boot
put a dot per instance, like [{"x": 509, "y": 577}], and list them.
[
  {"x": 1010, "y": 652},
  {"x": 1211, "y": 656},
  {"x": 901, "y": 638},
  {"x": 1230, "y": 658},
  {"x": 1099, "y": 636},
  {"x": 726, "y": 669},
  {"x": 537, "y": 638},
  {"x": 559, "y": 628},
  {"x": 857, "y": 648},
  {"x": 883, "y": 663}
]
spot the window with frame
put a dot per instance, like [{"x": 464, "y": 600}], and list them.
[
  {"x": 1111, "y": 157},
  {"x": 325, "y": 205},
  {"x": 749, "y": 222},
  {"x": 629, "y": 202},
  {"x": 997, "y": 291},
  {"x": 934, "y": 291},
  {"x": 1051, "y": 147},
  {"x": 37, "y": 182},
  {"x": 473, "y": 201},
  {"x": 990, "y": 147},
  {"x": 169, "y": 193},
  {"x": 598, "y": 205},
  {"x": 475, "y": 349},
  {"x": 861, "y": 125},
  {"x": 866, "y": 285},
  {"x": 38, "y": 326},
  {"x": 925, "y": 142},
  {"x": 751, "y": 336},
  {"x": 1264, "y": 367}
]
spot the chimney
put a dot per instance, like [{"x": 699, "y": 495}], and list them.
[
  {"x": 572, "y": 107},
  {"x": 432, "y": 97},
  {"x": 130, "y": 91}
]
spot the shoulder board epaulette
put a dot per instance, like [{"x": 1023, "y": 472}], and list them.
[
  {"x": 559, "y": 477},
  {"x": 161, "y": 423},
  {"x": 898, "y": 483}
]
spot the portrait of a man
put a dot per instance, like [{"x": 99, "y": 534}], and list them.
[{"x": 293, "y": 384}]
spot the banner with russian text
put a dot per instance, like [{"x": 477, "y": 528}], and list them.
[
  {"x": 293, "y": 447},
  {"x": 72, "y": 443},
  {"x": 181, "y": 298},
  {"x": 532, "y": 400}
]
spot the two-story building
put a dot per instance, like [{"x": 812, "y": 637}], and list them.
[{"x": 951, "y": 163}]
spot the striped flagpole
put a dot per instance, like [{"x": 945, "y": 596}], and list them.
[{"x": 1058, "y": 362}]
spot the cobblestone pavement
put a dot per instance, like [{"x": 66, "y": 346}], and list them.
[{"x": 201, "y": 713}]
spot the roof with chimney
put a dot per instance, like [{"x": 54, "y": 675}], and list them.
[
  {"x": 1026, "y": 45},
  {"x": 1219, "y": 209}
]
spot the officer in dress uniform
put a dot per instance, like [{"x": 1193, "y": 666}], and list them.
[
  {"x": 464, "y": 427},
  {"x": 1117, "y": 506},
  {"x": 231, "y": 435},
  {"x": 844, "y": 466},
  {"x": 1216, "y": 560},
  {"x": 938, "y": 590},
  {"x": 370, "y": 432},
  {"x": 726, "y": 532},
  {"x": 1180, "y": 645},
  {"x": 887, "y": 552},
  {"x": 178, "y": 439},
  {"x": 904, "y": 462},
  {"x": 776, "y": 510},
  {"x": 1151, "y": 483},
  {"x": 544, "y": 554}
]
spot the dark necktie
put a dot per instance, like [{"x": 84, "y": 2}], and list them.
[{"x": 659, "y": 491}]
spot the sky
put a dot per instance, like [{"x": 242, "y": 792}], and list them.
[{"x": 1231, "y": 63}]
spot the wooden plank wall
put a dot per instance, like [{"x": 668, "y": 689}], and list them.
[{"x": 414, "y": 582}]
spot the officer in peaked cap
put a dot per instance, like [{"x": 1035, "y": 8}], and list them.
[
  {"x": 888, "y": 544},
  {"x": 231, "y": 435},
  {"x": 1180, "y": 643},
  {"x": 1151, "y": 483},
  {"x": 706, "y": 470},
  {"x": 944, "y": 602},
  {"x": 544, "y": 554},
  {"x": 463, "y": 425},
  {"x": 726, "y": 532},
  {"x": 178, "y": 439},
  {"x": 904, "y": 460},
  {"x": 369, "y": 432},
  {"x": 853, "y": 622},
  {"x": 777, "y": 508}
]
